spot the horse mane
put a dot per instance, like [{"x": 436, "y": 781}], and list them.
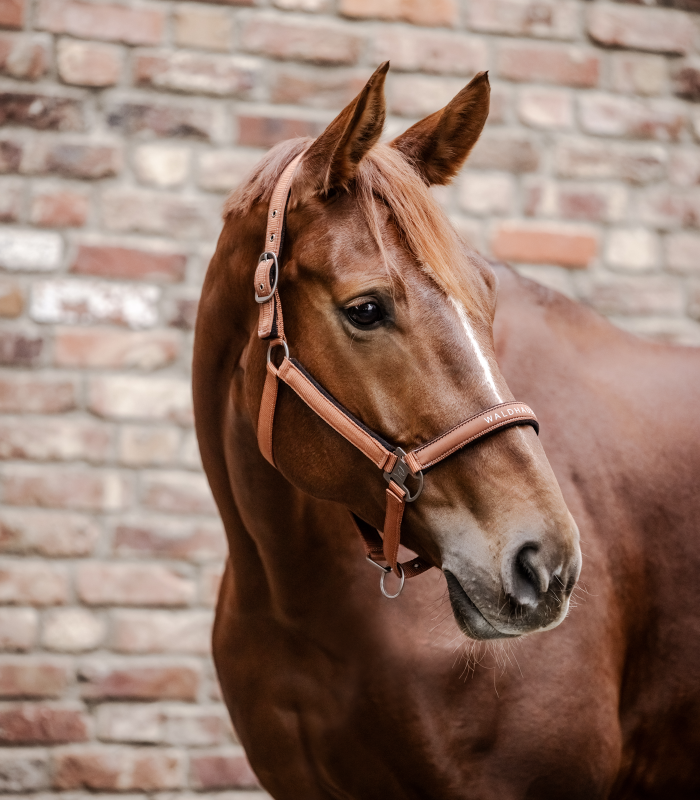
[{"x": 382, "y": 174}]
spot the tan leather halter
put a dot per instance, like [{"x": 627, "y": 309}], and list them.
[{"x": 395, "y": 463}]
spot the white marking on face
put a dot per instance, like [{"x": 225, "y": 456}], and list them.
[{"x": 480, "y": 357}]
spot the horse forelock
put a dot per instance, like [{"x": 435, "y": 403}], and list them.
[{"x": 384, "y": 175}]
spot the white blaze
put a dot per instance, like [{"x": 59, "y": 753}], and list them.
[{"x": 480, "y": 357}]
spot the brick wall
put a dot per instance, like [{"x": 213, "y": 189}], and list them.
[{"x": 123, "y": 126}]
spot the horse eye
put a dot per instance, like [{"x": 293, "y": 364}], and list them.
[{"x": 365, "y": 315}]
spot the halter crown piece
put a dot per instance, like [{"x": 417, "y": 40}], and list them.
[{"x": 393, "y": 461}]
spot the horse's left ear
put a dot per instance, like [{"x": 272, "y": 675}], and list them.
[
  {"x": 438, "y": 145},
  {"x": 331, "y": 161}
]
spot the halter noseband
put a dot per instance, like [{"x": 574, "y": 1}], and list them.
[{"x": 395, "y": 463}]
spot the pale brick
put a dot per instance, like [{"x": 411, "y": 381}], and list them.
[
  {"x": 194, "y": 120},
  {"x": 99, "y": 583},
  {"x": 211, "y": 583},
  {"x": 159, "y": 263},
  {"x": 561, "y": 244},
  {"x": 228, "y": 769},
  {"x": 199, "y": 73},
  {"x": 224, "y": 170},
  {"x": 205, "y": 27},
  {"x": 189, "y": 454},
  {"x": 684, "y": 167},
  {"x": 142, "y": 446},
  {"x": 637, "y": 163},
  {"x": 420, "y": 95},
  {"x": 54, "y": 439},
  {"x": 11, "y": 199},
  {"x": 587, "y": 202},
  {"x": 36, "y": 394},
  {"x": 639, "y": 73},
  {"x": 33, "y": 676},
  {"x": 683, "y": 253},
  {"x": 177, "y": 493},
  {"x": 73, "y": 301},
  {"x": 486, "y": 193},
  {"x": 161, "y": 537},
  {"x": 115, "y": 23},
  {"x": 612, "y": 115},
  {"x": 18, "y": 628},
  {"x": 667, "y": 208},
  {"x": 126, "y": 397},
  {"x": 632, "y": 249},
  {"x": 41, "y": 111},
  {"x": 24, "y": 770},
  {"x": 556, "y": 278},
  {"x": 30, "y": 251},
  {"x": 562, "y": 64},
  {"x": 12, "y": 13},
  {"x": 545, "y": 108},
  {"x": 66, "y": 487},
  {"x": 427, "y": 51},
  {"x": 552, "y": 19},
  {"x": 665, "y": 330},
  {"x": 507, "y": 152},
  {"x": 54, "y": 207},
  {"x": 161, "y": 165},
  {"x": 134, "y": 723},
  {"x": 655, "y": 29},
  {"x": 72, "y": 158},
  {"x": 300, "y": 84},
  {"x": 105, "y": 347},
  {"x": 46, "y": 533},
  {"x": 140, "y": 631},
  {"x": 638, "y": 295},
  {"x": 266, "y": 130},
  {"x": 34, "y": 723},
  {"x": 303, "y": 5},
  {"x": 24, "y": 56},
  {"x": 419, "y": 12},
  {"x": 694, "y": 301},
  {"x": 139, "y": 679},
  {"x": 32, "y": 583},
  {"x": 72, "y": 630},
  {"x": 88, "y": 63},
  {"x": 11, "y": 299}
]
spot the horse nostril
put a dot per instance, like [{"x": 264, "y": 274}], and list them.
[{"x": 530, "y": 576}]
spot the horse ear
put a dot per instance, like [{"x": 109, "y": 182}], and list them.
[
  {"x": 331, "y": 161},
  {"x": 438, "y": 145}
]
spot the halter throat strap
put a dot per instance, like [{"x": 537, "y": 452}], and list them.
[{"x": 396, "y": 465}]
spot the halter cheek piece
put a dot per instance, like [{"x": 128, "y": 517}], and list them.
[{"x": 393, "y": 461}]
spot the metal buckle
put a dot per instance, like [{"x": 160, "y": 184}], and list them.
[
  {"x": 277, "y": 343},
  {"x": 385, "y": 571},
  {"x": 275, "y": 278},
  {"x": 399, "y": 474}
]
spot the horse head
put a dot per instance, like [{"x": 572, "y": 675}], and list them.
[{"x": 392, "y": 314}]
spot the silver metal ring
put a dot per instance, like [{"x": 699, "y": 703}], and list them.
[
  {"x": 265, "y": 256},
  {"x": 381, "y": 583},
  {"x": 272, "y": 346}
]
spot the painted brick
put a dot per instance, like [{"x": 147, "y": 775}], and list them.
[
  {"x": 59, "y": 208},
  {"x": 31, "y": 532},
  {"x": 11, "y": 300},
  {"x": 420, "y": 95},
  {"x": 139, "y": 679},
  {"x": 12, "y": 13},
  {"x": 636, "y": 163},
  {"x": 24, "y": 770},
  {"x": 108, "y": 261},
  {"x": 30, "y": 251},
  {"x": 43, "y": 112},
  {"x": 565, "y": 65},
  {"x": 115, "y": 23},
  {"x": 72, "y": 630},
  {"x": 612, "y": 115},
  {"x": 200, "y": 73},
  {"x": 654, "y": 29},
  {"x": 266, "y": 131},
  {"x": 32, "y": 583},
  {"x": 487, "y": 193},
  {"x": 633, "y": 249},
  {"x": 299, "y": 84},
  {"x": 19, "y": 350},
  {"x": 205, "y": 27},
  {"x": 73, "y": 159},
  {"x": 638, "y": 295},
  {"x": 64, "y": 487},
  {"x": 224, "y": 770},
  {"x": 54, "y": 439},
  {"x": 177, "y": 493},
  {"x": 505, "y": 152},
  {"x": 418, "y": 12},
  {"x": 89, "y": 63},
  {"x": 551, "y": 19},
  {"x": 126, "y": 397},
  {"x": 102, "y": 584},
  {"x": 563, "y": 245},
  {"x": 33, "y": 676},
  {"x": 105, "y": 347},
  {"x": 87, "y": 302},
  {"x": 638, "y": 73},
  {"x": 161, "y": 537},
  {"x": 161, "y": 165},
  {"x": 541, "y": 107},
  {"x": 683, "y": 253},
  {"x": 38, "y": 723},
  {"x": 18, "y": 629},
  {"x": 141, "y": 631},
  {"x": 29, "y": 394},
  {"x": 223, "y": 170},
  {"x": 23, "y": 56},
  {"x": 192, "y": 121},
  {"x": 141, "y": 446}
]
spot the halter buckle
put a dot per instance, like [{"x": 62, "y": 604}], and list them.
[
  {"x": 385, "y": 571},
  {"x": 274, "y": 277},
  {"x": 399, "y": 474}
]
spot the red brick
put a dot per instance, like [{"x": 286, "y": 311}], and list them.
[
  {"x": 612, "y": 115},
  {"x": 29, "y": 394},
  {"x": 636, "y": 163},
  {"x": 132, "y": 585},
  {"x": 181, "y": 311},
  {"x": 166, "y": 538},
  {"x": 59, "y": 208},
  {"x": 505, "y": 152},
  {"x": 18, "y": 349},
  {"x": 226, "y": 770},
  {"x": 137, "y": 679},
  {"x": 54, "y": 439},
  {"x": 34, "y": 723},
  {"x": 10, "y": 155},
  {"x": 104, "y": 347},
  {"x": 418, "y": 12},
  {"x": 11, "y": 203},
  {"x": 33, "y": 676},
  {"x": 127, "y": 397},
  {"x": 124, "y": 262},
  {"x": 655, "y": 29},
  {"x": 199, "y": 73},
  {"x": 548, "y": 108},
  {"x": 177, "y": 493},
  {"x": 664, "y": 207},
  {"x": 32, "y": 583},
  {"x": 211, "y": 583},
  {"x": 46, "y": 533},
  {"x": 11, "y": 300},
  {"x": 683, "y": 253},
  {"x": 43, "y": 112},
  {"x": 23, "y": 56},
  {"x": 564, "y": 246},
  {"x": 552, "y": 19},
  {"x": 638, "y": 295},
  {"x": 115, "y": 23},
  {"x": 66, "y": 487},
  {"x": 24, "y": 770},
  {"x": 266, "y": 131},
  {"x": 437, "y": 52},
  {"x": 101, "y": 768},
  {"x": 568, "y": 66},
  {"x": 73, "y": 159},
  {"x": 140, "y": 631},
  {"x": 295, "y": 84},
  {"x": 18, "y": 628},
  {"x": 192, "y": 121},
  {"x": 88, "y": 63},
  {"x": 586, "y": 202},
  {"x": 12, "y": 13}
]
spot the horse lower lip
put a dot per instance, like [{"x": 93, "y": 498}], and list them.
[{"x": 469, "y": 618}]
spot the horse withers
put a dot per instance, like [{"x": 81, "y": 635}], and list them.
[{"x": 335, "y": 691}]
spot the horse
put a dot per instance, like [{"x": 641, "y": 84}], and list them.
[{"x": 547, "y": 647}]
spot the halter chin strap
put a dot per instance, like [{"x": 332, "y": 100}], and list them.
[{"x": 396, "y": 465}]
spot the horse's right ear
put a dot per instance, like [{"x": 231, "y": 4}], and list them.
[
  {"x": 331, "y": 161},
  {"x": 438, "y": 145}
]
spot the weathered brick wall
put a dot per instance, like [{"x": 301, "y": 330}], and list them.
[{"x": 124, "y": 125}]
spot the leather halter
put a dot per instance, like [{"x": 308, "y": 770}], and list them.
[{"x": 395, "y": 463}]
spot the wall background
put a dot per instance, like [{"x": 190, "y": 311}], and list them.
[{"x": 123, "y": 126}]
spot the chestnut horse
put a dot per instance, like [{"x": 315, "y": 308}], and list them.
[{"x": 337, "y": 692}]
